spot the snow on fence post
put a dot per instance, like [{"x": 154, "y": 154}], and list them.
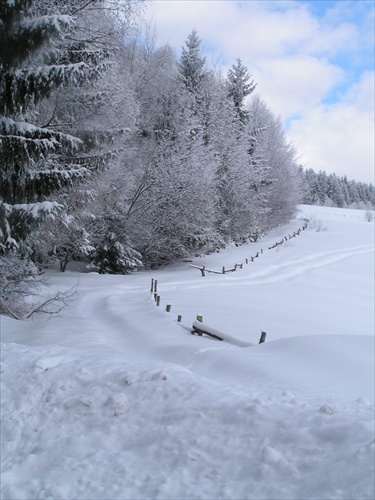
[
  {"x": 262, "y": 337},
  {"x": 168, "y": 308}
]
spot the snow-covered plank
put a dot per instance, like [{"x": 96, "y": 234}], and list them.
[{"x": 213, "y": 332}]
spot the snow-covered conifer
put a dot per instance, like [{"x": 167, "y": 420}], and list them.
[
  {"x": 191, "y": 66},
  {"x": 36, "y": 159},
  {"x": 239, "y": 86}
]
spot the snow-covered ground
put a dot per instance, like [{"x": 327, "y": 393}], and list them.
[{"x": 114, "y": 399}]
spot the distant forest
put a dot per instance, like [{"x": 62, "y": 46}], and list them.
[{"x": 334, "y": 191}]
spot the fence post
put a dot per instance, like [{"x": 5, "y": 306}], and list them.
[
  {"x": 179, "y": 318},
  {"x": 262, "y": 337},
  {"x": 156, "y": 286},
  {"x": 223, "y": 270},
  {"x": 152, "y": 285},
  {"x": 158, "y": 300},
  {"x": 168, "y": 308},
  {"x": 202, "y": 270}
]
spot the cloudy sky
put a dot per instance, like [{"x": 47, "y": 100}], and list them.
[{"x": 313, "y": 62}]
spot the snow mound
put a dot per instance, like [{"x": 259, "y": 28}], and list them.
[{"x": 125, "y": 430}]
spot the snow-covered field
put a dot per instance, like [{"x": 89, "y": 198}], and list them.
[{"x": 114, "y": 399}]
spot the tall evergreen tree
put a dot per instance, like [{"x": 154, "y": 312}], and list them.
[
  {"x": 191, "y": 66},
  {"x": 239, "y": 86},
  {"x": 36, "y": 160}
]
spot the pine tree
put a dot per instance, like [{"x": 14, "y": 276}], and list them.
[
  {"x": 239, "y": 86},
  {"x": 36, "y": 160},
  {"x": 191, "y": 66},
  {"x": 334, "y": 191}
]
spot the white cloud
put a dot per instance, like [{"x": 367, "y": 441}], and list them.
[
  {"x": 340, "y": 138},
  {"x": 293, "y": 85},
  {"x": 256, "y": 29}
]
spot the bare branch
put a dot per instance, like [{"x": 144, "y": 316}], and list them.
[{"x": 54, "y": 304}]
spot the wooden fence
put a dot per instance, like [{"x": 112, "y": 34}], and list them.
[
  {"x": 203, "y": 329},
  {"x": 224, "y": 270},
  {"x": 197, "y": 326}
]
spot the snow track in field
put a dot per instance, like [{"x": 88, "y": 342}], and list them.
[{"x": 270, "y": 273}]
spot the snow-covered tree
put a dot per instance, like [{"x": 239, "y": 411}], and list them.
[
  {"x": 192, "y": 64},
  {"x": 36, "y": 160},
  {"x": 276, "y": 186},
  {"x": 181, "y": 217},
  {"x": 239, "y": 86}
]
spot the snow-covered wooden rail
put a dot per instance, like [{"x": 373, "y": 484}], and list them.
[
  {"x": 204, "y": 270},
  {"x": 200, "y": 329}
]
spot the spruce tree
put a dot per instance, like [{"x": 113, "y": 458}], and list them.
[
  {"x": 239, "y": 86},
  {"x": 191, "y": 66},
  {"x": 36, "y": 159}
]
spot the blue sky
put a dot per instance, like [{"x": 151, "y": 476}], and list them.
[{"x": 313, "y": 62}]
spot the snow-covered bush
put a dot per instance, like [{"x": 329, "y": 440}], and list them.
[
  {"x": 112, "y": 257},
  {"x": 369, "y": 215},
  {"x": 315, "y": 224}
]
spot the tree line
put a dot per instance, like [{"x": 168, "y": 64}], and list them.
[
  {"x": 120, "y": 154},
  {"x": 332, "y": 190}
]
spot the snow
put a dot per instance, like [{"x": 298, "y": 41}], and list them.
[
  {"x": 16, "y": 130},
  {"x": 35, "y": 210},
  {"x": 113, "y": 398},
  {"x": 44, "y": 22}
]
